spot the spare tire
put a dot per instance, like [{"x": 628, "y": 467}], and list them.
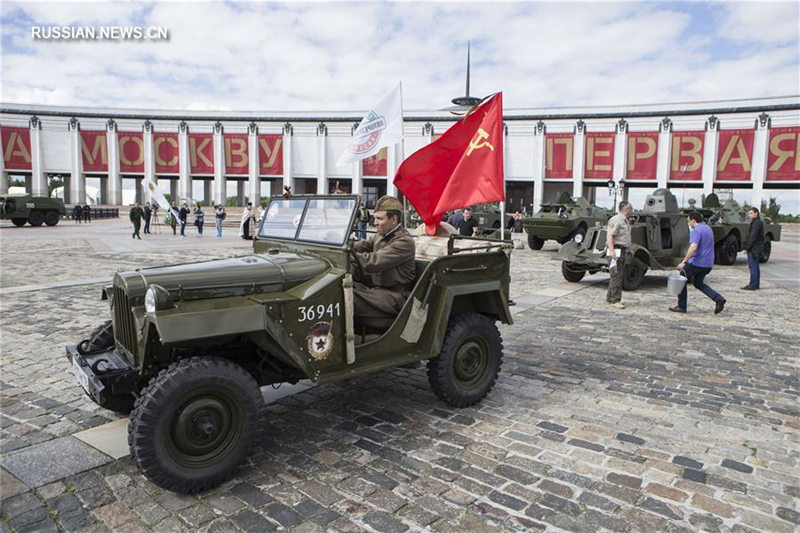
[{"x": 10, "y": 206}]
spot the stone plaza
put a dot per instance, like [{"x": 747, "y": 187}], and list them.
[{"x": 601, "y": 419}]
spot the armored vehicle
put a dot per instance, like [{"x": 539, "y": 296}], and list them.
[
  {"x": 659, "y": 238},
  {"x": 35, "y": 210},
  {"x": 731, "y": 225},
  {"x": 562, "y": 220},
  {"x": 192, "y": 343},
  {"x": 488, "y": 217}
]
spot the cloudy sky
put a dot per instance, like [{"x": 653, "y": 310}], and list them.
[{"x": 344, "y": 55}]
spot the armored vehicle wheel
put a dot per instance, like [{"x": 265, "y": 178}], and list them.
[
  {"x": 36, "y": 218},
  {"x": 195, "y": 423},
  {"x": 51, "y": 218},
  {"x": 633, "y": 275},
  {"x": 728, "y": 249},
  {"x": 535, "y": 242},
  {"x": 469, "y": 362},
  {"x": 19, "y": 222},
  {"x": 571, "y": 273},
  {"x": 10, "y": 206},
  {"x": 766, "y": 250}
]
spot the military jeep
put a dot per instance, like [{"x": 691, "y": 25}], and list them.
[
  {"x": 659, "y": 240},
  {"x": 188, "y": 346},
  {"x": 34, "y": 210},
  {"x": 562, "y": 220}
]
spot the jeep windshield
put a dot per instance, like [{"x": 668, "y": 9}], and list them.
[{"x": 324, "y": 220}]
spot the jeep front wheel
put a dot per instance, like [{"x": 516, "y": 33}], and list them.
[
  {"x": 766, "y": 250},
  {"x": 535, "y": 242},
  {"x": 469, "y": 362},
  {"x": 195, "y": 423},
  {"x": 571, "y": 273},
  {"x": 36, "y": 218}
]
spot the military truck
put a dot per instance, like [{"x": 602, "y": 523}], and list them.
[
  {"x": 731, "y": 225},
  {"x": 659, "y": 237},
  {"x": 188, "y": 346},
  {"x": 562, "y": 220},
  {"x": 35, "y": 210}
]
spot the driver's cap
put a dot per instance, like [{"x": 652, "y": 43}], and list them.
[{"x": 388, "y": 203}]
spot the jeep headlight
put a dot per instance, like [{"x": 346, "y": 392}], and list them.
[
  {"x": 578, "y": 238},
  {"x": 157, "y": 298}
]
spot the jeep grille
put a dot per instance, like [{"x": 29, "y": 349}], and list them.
[{"x": 124, "y": 323}]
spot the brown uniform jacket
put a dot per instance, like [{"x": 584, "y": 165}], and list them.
[{"x": 388, "y": 260}]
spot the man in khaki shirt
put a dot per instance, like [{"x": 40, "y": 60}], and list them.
[{"x": 618, "y": 239}]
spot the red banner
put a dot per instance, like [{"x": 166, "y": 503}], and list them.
[
  {"x": 94, "y": 148},
  {"x": 131, "y": 152},
  {"x": 642, "y": 156},
  {"x": 270, "y": 154},
  {"x": 375, "y": 165},
  {"x": 236, "y": 153},
  {"x": 687, "y": 156},
  {"x": 165, "y": 151},
  {"x": 735, "y": 157},
  {"x": 783, "y": 158},
  {"x": 599, "y": 155},
  {"x": 558, "y": 155},
  {"x": 16, "y": 147},
  {"x": 201, "y": 153}
]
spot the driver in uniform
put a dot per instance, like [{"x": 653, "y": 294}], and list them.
[{"x": 387, "y": 261}]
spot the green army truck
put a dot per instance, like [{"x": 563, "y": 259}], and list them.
[
  {"x": 562, "y": 221},
  {"x": 189, "y": 346},
  {"x": 34, "y": 210}
]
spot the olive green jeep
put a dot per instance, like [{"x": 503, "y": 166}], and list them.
[
  {"x": 189, "y": 346},
  {"x": 34, "y": 210}
]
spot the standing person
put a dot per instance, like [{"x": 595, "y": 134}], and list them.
[
  {"x": 199, "y": 218},
  {"x": 753, "y": 245},
  {"x": 244, "y": 225},
  {"x": 171, "y": 214},
  {"x": 467, "y": 226},
  {"x": 147, "y": 214},
  {"x": 219, "y": 216},
  {"x": 618, "y": 237},
  {"x": 698, "y": 262},
  {"x": 183, "y": 214},
  {"x": 361, "y": 224},
  {"x": 87, "y": 212},
  {"x": 454, "y": 218},
  {"x": 136, "y": 214},
  {"x": 77, "y": 213},
  {"x": 262, "y": 209}
]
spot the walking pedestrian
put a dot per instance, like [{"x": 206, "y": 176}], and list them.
[
  {"x": 199, "y": 218},
  {"x": 219, "y": 216},
  {"x": 697, "y": 263},
  {"x": 361, "y": 225},
  {"x": 148, "y": 212},
  {"x": 618, "y": 242},
  {"x": 87, "y": 212},
  {"x": 136, "y": 214},
  {"x": 183, "y": 214},
  {"x": 754, "y": 246}
]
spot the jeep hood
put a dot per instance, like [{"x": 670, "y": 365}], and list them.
[{"x": 257, "y": 273}]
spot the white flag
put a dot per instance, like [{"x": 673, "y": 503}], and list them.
[
  {"x": 382, "y": 126},
  {"x": 155, "y": 194}
]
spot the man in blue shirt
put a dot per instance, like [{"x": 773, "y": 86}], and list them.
[{"x": 698, "y": 262}]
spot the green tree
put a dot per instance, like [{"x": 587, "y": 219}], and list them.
[
  {"x": 771, "y": 210},
  {"x": 16, "y": 182},
  {"x": 53, "y": 183}
]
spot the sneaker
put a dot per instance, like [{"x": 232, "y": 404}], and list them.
[
  {"x": 748, "y": 288},
  {"x": 617, "y": 305},
  {"x": 719, "y": 307},
  {"x": 677, "y": 309}
]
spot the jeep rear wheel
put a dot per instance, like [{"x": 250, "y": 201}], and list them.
[
  {"x": 571, "y": 273},
  {"x": 51, "y": 218},
  {"x": 469, "y": 362},
  {"x": 36, "y": 218},
  {"x": 728, "y": 249},
  {"x": 195, "y": 423},
  {"x": 535, "y": 242},
  {"x": 766, "y": 250},
  {"x": 19, "y": 222}
]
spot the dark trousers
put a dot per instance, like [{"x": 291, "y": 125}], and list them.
[
  {"x": 696, "y": 275},
  {"x": 183, "y": 227},
  {"x": 147, "y": 224},
  {"x": 755, "y": 269}
]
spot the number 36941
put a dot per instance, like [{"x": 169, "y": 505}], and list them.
[{"x": 318, "y": 312}]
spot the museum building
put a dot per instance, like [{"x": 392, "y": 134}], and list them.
[{"x": 753, "y": 145}]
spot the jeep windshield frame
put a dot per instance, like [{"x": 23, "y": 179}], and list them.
[{"x": 327, "y": 220}]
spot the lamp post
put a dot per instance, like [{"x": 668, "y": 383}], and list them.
[{"x": 615, "y": 188}]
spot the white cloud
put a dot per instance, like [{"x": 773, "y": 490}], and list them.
[{"x": 760, "y": 22}]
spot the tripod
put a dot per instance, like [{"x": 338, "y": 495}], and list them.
[{"x": 154, "y": 222}]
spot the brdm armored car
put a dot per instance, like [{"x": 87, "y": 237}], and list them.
[
  {"x": 188, "y": 346},
  {"x": 34, "y": 210},
  {"x": 562, "y": 220},
  {"x": 659, "y": 236}
]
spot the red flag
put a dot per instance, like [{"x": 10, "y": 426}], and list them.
[{"x": 462, "y": 167}]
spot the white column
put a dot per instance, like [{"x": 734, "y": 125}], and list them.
[
  {"x": 114, "y": 183},
  {"x": 220, "y": 185},
  {"x": 664, "y": 152},
  {"x": 621, "y": 151},
  {"x": 39, "y": 182},
  {"x": 758, "y": 173},
  {"x": 358, "y": 173},
  {"x": 578, "y": 155},
  {"x": 710, "y": 148},
  {"x": 149, "y": 153},
  {"x": 184, "y": 164},
  {"x": 77, "y": 185},
  {"x": 322, "y": 174},
  {"x": 538, "y": 165},
  {"x": 288, "y": 131},
  {"x": 254, "y": 181},
  {"x": 394, "y": 156}
]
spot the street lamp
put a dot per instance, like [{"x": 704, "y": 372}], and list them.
[{"x": 616, "y": 188}]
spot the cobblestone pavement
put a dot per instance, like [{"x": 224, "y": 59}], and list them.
[{"x": 633, "y": 420}]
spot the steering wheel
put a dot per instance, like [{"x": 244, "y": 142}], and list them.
[{"x": 355, "y": 269}]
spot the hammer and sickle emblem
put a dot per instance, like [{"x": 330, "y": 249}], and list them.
[{"x": 479, "y": 141}]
